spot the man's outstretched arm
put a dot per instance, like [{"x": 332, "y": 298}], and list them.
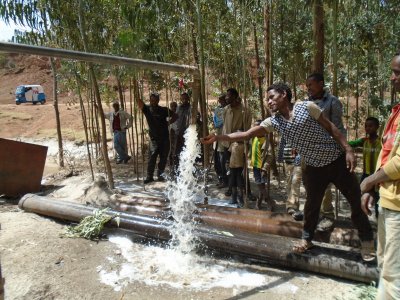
[{"x": 235, "y": 136}]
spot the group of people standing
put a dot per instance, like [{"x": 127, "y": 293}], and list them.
[
  {"x": 313, "y": 146},
  {"x": 309, "y": 131},
  {"x": 166, "y": 132}
]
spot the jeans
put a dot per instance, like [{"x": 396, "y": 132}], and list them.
[
  {"x": 120, "y": 145},
  {"x": 388, "y": 254},
  {"x": 259, "y": 177},
  {"x": 316, "y": 180},
  {"x": 158, "y": 148}
]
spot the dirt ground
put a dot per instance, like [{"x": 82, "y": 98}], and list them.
[{"x": 37, "y": 263}]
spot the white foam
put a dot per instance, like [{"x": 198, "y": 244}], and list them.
[{"x": 154, "y": 266}]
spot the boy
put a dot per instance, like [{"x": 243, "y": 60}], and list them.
[
  {"x": 258, "y": 145},
  {"x": 371, "y": 147}
]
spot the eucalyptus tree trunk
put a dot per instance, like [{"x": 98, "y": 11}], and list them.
[
  {"x": 98, "y": 101},
  {"x": 269, "y": 76},
  {"x": 57, "y": 113},
  {"x": 206, "y": 158},
  {"x": 334, "y": 48},
  {"x": 135, "y": 120},
  {"x": 268, "y": 42},
  {"x": 120, "y": 92},
  {"x": 140, "y": 94},
  {"x": 194, "y": 46},
  {"x": 318, "y": 36},
  {"x": 85, "y": 125},
  {"x": 132, "y": 135},
  {"x": 259, "y": 76},
  {"x": 357, "y": 95}
]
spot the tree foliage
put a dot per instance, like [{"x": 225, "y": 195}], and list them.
[{"x": 367, "y": 36}]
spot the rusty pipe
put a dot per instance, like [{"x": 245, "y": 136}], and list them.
[
  {"x": 243, "y": 219},
  {"x": 337, "y": 261},
  {"x": 251, "y": 224},
  {"x": 148, "y": 201},
  {"x": 141, "y": 210}
]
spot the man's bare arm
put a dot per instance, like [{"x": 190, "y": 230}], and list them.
[
  {"x": 340, "y": 139},
  {"x": 236, "y": 136},
  {"x": 371, "y": 181}
]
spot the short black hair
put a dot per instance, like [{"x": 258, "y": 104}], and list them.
[
  {"x": 281, "y": 88},
  {"x": 155, "y": 95},
  {"x": 185, "y": 94},
  {"x": 373, "y": 119},
  {"x": 317, "y": 77},
  {"x": 233, "y": 91}
]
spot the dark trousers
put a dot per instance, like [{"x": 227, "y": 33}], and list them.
[
  {"x": 316, "y": 179},
  {"x": 179, "y": 143},
  {"x": 220, "y": 166},
  {"x": 172, "y": 144},
  {"x": 158, "y": 148},
  {"x": 236, "y": 178},
  {"x": 236, "y": 182}
]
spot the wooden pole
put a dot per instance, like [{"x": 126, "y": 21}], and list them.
[
  {"x": 57, "y": 113},
  {"x": 99, "y": 105}
]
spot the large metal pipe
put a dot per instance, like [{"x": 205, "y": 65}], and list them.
[
  {"x": 274, "y": 224},
  {"x": 147, "y": 226},
  {"x": 337, "y": 261},
  {"x": 97, "y": 58},
  {"x": 244, "y": 219}
]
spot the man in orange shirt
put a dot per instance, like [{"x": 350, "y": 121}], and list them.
[{"x": 388, "y": 178}]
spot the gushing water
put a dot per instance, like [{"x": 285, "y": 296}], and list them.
[
  {"x": 178, "y": 266},
  {"x": 183, "y": 193}
]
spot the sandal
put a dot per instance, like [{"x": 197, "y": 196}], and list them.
[{"x": 302, "y": 246}]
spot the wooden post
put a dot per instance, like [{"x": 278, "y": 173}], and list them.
[{"x": 57, "y": 113}]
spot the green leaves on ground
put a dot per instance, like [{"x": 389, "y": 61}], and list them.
[{"x": 90, "y": 227}]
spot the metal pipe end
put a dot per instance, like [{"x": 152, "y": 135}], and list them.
[{"x": 23, "y": 199}]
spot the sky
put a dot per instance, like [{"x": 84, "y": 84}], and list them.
[{"x": 7, "y": 31}]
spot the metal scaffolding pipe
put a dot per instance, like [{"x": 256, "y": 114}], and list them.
[
  {"x": 97, "y": 58},
  {"x": 337, "y": 261}
]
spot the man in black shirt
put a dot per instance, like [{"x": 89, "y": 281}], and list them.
[{"x": 156, "y": 117}]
